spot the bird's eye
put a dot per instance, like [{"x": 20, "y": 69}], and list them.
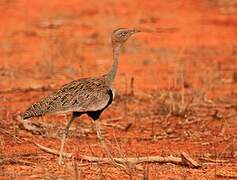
[{"x": 123, "y": 33}]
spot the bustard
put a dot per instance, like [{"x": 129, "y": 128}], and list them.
[{"x": 89, "y": 96}]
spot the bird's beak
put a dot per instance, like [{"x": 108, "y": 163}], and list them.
[{"x": 135, "y": 31}]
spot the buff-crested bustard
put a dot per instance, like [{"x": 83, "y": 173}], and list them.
[{"x": 89, "y": 96}]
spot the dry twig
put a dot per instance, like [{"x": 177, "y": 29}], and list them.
[
  {"x": 185, "y": 160},
  {"x": 214, "y": 160},
  {"x": 110, "y": 120},
  {"x": 15, "y": 161},
  {"x": 226, "y": 175},
  {"x": 118, "y": 126},
  {"x": 10, "y": 134}
]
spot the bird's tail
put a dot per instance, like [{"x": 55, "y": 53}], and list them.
[{"x": 35, "y": 110}]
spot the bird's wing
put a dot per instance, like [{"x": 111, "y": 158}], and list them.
[{"x": 81, "y": 95}]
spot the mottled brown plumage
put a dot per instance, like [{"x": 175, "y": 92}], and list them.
[
  {"x": 83, "y": 95},
  {"x": 87, "y": 95}
]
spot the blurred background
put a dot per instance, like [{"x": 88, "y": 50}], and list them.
[
  {"x": 45, "y": 41},
  {"x": 185, "y": 56}
]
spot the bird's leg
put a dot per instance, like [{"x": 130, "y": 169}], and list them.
[
  {"x": 63, "y": 139},
  {"x": 103, "y": 144}
]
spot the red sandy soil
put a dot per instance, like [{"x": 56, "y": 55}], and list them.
[{"x": 183, "y": 97}]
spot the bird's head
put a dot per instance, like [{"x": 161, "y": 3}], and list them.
[{"x": 120, "y": 36}]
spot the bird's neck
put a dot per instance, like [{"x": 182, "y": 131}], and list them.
[{"x": 113, "y": 71}]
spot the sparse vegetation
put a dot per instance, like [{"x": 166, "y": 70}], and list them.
[{"x": 176, "y": 91}]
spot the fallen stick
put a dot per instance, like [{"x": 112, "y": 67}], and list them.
[
  {"x": 118, "y": 126},
  {"x": 10, "y": 134},
  {"x": 214, "y": 160},
  {"x": 110, "y": 120},
  {"x": 226, "y": 175},
  {"x": 6, "y": 161},
  {"x": 185, "y": 160}
]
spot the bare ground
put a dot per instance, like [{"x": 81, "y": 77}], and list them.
[{"x": 176, "y": 91}]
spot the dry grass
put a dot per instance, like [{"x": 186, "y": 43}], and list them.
[{"x": 171, "y": 99}]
